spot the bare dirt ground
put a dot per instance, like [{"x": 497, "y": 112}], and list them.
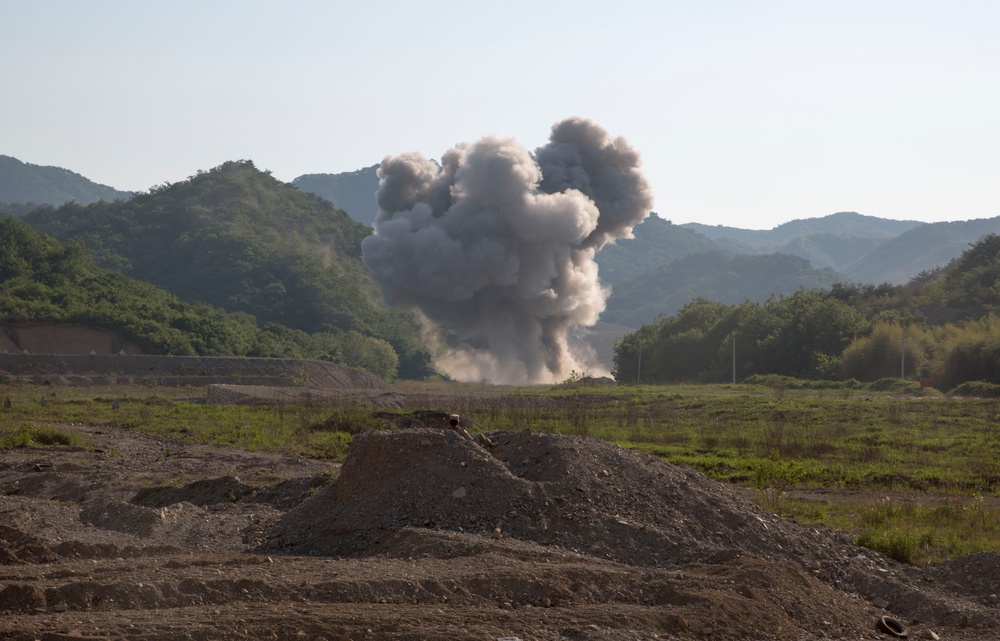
[{"x": 424, "y": 535}]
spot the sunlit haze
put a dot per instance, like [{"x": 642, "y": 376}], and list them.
[{"x": 746, "y": 114}]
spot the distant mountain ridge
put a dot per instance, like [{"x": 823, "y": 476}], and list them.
[
  {"x": 864, "y": 248},
  {"x": 922, "y": 248},
  {"x": 845, "y": 223},
  {"x": 657, "y": 241},
  {"x": 712, "y": 276},
  {"x": 22, "y": 182},
  {"x": 353, "y": 191},
  {"x": 666, "y": 266}
]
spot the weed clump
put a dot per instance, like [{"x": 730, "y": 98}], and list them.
[{"x": 30, "y": 435}]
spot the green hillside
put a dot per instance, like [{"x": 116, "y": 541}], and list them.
[
  {"x": 920, "y": 249},
  {"x": 22, "y": 182},
  {"x": 44, "y": 280},
  {"x": 237, "y": 238}
]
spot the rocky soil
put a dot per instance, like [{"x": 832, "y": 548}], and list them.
[{"x": 424, "y": 535}]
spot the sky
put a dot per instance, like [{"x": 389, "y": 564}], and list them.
[{"x": 746, "y": 113}]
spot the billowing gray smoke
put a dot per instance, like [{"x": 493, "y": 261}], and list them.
[{"x": 497, "y": 245}]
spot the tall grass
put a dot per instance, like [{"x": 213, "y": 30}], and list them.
[
  {"x": 29, "y": 435},
  {"x": 911, "y": 529}
]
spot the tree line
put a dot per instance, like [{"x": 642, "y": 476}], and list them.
[{"x": 942, "y": 325}]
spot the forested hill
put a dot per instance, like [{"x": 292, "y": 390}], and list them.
[
  {"x": 713, "y": 276},
  {"x": 921, "y": 249},
  {"x": 845, "y": 223},
  {"x": 352, "y": 191},
  {"x": 22, "y": 182},
  {"x": 862, "y": 248},
  {"x": 237, "y": 238},
  {"x": 44, "y": 282}
]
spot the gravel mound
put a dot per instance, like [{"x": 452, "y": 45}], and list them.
[
  {"x": 578, "y": 493},
  {"x": 583, "y": 496}
]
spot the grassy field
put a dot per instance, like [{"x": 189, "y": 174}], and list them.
[{"x": 913, "y": 475}]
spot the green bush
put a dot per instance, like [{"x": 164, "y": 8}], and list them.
[
  {"x": 978, "y": 389},
  {"x": 28, "y": 435}
]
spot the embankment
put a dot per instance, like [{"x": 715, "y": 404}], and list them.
[{"x": 104, "y": 369}]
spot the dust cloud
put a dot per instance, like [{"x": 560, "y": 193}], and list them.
[{"x": 496, "y": 245}]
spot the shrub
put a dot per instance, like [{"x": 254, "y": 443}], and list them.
[{"x": 978, "y": 389}]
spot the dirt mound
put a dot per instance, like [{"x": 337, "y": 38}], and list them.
[
  {"x": 203, "y": 492},
  {"x": 579, "y": 495},
  {"x": 19, "y": 547},
  {"x": 122, "y": 517},
  {"x": 41, "y": 480}
]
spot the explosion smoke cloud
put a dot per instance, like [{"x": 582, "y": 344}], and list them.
[{"x": 496, "y": 245}]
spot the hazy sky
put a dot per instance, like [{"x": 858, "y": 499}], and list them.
[{"x": 746, "y": 113}]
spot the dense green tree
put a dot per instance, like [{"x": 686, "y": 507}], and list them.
[
  {"x": 973, "y": 279},
  {"x": 799, "y": 335},
  {"x": 813, "y": 328},
  {"x": 969, "y": 352},
  {"x": 373, "y": 354},
  {"x": 889, "y": 351}
]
